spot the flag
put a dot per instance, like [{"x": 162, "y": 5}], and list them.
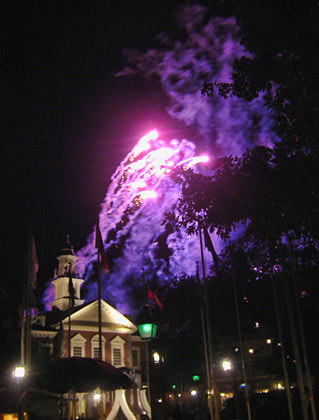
[
  {"x": 102, "y": 259},
  {"x": 152, "y": 295},
  {"x": 58, "y": 347},
  {"x": 209, "y": 245},
  {"x": 71, "y": 290},
  {"x": 34, "y": 265},
  {"x": 197, "y": 273}
]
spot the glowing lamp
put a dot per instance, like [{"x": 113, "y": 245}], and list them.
[
  {"x": 97, "y": 396},
  {"x": 146, "y": 326},
  {"x": 19, "y": 372},
  {"x": 226, "y": 365},
  {"x": 156, "y": 357},
  {"x": 147, "y": 331},
  {"x": 195, "y": 378}
]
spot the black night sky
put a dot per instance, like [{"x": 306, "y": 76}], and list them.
[{"x": 67, "y": 120}]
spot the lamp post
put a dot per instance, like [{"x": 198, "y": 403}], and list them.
[
  {"x": 147, "y": 329},
  {"x": 228, "y": 367},
  {"x": 146, "y": 325},
  {"x": 98, "y": 400},
  {"x": 19, "y": 375}
]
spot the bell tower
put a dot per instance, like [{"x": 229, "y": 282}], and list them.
[{"x": 66, "y": 281}]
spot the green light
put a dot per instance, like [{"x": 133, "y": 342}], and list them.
[
  {"x": 145, "y": 324},
  {"x": 195, "y": 378},
  {"x": 147, "y": 330},
  {"x": 174, "y": 386}
]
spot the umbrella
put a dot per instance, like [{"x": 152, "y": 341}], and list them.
[{"x": 78, "y": 374}]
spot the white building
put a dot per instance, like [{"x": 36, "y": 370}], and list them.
[{"x": 71, "y": 329}]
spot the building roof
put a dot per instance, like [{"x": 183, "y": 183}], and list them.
[{"x": 86, "y": 317}]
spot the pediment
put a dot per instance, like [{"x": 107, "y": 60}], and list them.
[
  {"x": 118, "y": 340},
  {"x": 78, "y": 339},
  {"x": 86, "y": 318}
]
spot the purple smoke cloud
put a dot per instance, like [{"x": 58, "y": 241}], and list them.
[
  {"x": 131, "y": 227},
  {"x": 227, "y": 126}
]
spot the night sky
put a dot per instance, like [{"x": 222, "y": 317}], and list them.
[{"x": 68, "y": 121}]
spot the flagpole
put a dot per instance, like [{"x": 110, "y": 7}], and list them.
[
  {"x": 240, "y": 336},
  {"x": 71, "y": 304},
  {"x": 24, "y": 305},
  {"x": 208, "y": 331},
  {"x": 99, "y": 311},
  {"x": 202, "y": 317},
  {"x": 27, "y": 331},
  {"x": 309, "y": 380},
  {"x": 296, "y": 349},
  {"x": 282, "y": 348},
  {"x": 102, "y": 265}
]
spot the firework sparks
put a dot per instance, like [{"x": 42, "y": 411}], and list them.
[
  {"x": 131, "y": 215},
  {"x": 131, "y": 211}
]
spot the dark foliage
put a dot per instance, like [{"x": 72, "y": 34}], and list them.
[
  {"x": 269, "y": 197},
  {"x": 282, "y": 38}
]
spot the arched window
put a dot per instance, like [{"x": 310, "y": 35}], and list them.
[
  {"x": 78, "y": 346},
  {"x": 117, "y": 349},
  {"x": 95, "y": 347}
]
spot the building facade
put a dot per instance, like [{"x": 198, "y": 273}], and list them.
[{"x": 71, "y": 329}]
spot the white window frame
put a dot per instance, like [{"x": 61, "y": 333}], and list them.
[
  {"x": 78, "y": 341},
  {"x": 95, "y": 344},
  {"x": 73, "y": 351},
  {"x": 118, "y": 343}
]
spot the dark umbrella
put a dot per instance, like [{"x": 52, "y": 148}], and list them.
[{"x": 78, "y": 374}]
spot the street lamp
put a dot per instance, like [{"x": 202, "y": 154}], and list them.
[
  {"x": 97, "y": 397},
  {"x": 156, "y": 357},
  {"x": 147, "y": 331},
  {"x": 98, "y": 400},
  {"x": 227, "y": 365},
  {"x": 147, "y": 328},
  {"x": 19, "y": 372}
]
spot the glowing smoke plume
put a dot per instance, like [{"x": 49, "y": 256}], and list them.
[
  {"x": 140, "y": 193},
  {"x": 227, "y": 126},
  {"x": 141, "y": 190}
]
